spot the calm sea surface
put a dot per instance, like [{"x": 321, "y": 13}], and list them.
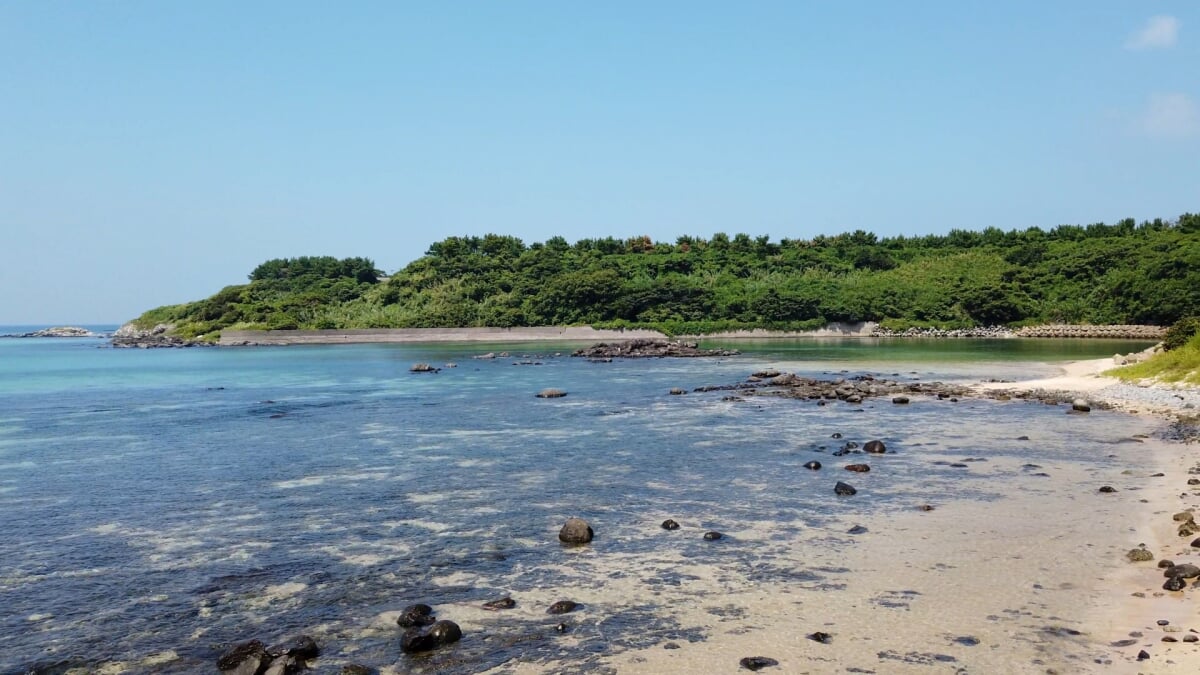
[{"x": 159, "y": 505}]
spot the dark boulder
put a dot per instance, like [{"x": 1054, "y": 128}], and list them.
[
  {"x": 670, "y": 524},
  {"x": 416, "y": 615},
  {"x": 875, "y": 447},
  {"x": 844, "y": 489},
  {"x": 813, "y": 465},
  {"x": 301, "y": 647},
  {"x": 857, "y": 529},
  {"x": 440, "y": 634},
  {"x": 1183, "y": 571},
  {"x": 575, "y": 531},
  {"x": 1108, "y": 489},
  {"x": 823, "y": 638},
  {"x": 900, "y": 400},
  {"x": 1175, "y": 584},
  {"x": 562, "y": 607},
  {"x": 858, "y": 468},
  {"x": 757, "y": 662},
  {"x": 285, "y": 665},
  {"x": 712, "y": 535},
  {"x": 243, "y": 658}
]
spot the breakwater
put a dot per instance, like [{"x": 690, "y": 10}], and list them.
[{"x": 1128, "y": 332}]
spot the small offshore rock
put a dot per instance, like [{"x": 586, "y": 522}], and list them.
[
  {"x": 422, "y": 368},
  {"x": 822, "y": 637},
  {"x": 900, "y": 400},
  {"x": 813, "y": 465},
  {"x": 858, "y": 468},
  {"x": 562, "y": 628},
  {"x": 575, "y": 531},
  {"x": 1081, "y": 405},
  {"x": 712, "y": 535},
  {"x": 844, "y": 489},
  {"x": 874, "y": 447},
  {"x": 439, "y": 634},
  {"x": 503, "y": 603},
  {"x": 676, "y": 391},
  {"x": 670, "y": 524},
  {"x": 1107, "y": 489},
  {"x": 1139, "y": 555},
  {"x": 551, "y": 393},
  {"x": 757, "y": 662},
  {"x": 243, "y": 658},
  {"x": 562, "y": 607},
  {"x": 416, "y": 615}
]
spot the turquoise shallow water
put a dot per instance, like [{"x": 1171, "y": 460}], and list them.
[{"x": 184, "y": 499}]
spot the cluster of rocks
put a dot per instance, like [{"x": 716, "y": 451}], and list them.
[
  {"x": 855, "y": 389},
  {"x": 56, "y": 332},
  {"x": 130, "y": 336},
  {"x": 642, "y": 348},
  {"x": 1128, "y": 332},
  {"x": 254, "y": 658},
  {"x": 980, "y": 332}
]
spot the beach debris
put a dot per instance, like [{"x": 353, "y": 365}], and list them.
[
  {"x": 925, "y": 507},
  {"x": 858, "y": 468},
  {"x": 844, "y": 489},
  {"x": 1139, "y": 554},
  {"x": 439, "y": 634},
  {"x": 712, "y": 535},
  {"x": 503, "y": 603},
  {"x": 416, "y": 615},
  {"x": 670, "y": 524},
  {"x": 422, "y": 368},
  {"x": 967, "y": 640},
  {"x": 823, "y": 638},
  {"x": 875, "y": 447},
  {"x": 562, "y": 607},
  {"x": 813, "y": 465},
  {"x": 757, "y": 662},
  {"x": 575, "y": 531},
  {"x": 551, "y": 393}
]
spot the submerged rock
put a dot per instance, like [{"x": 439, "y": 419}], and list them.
[
  {"x": 858, "y": 468},
  {"x": 503, "y": 603},
  {"x": 875, "y": 447},
  {"x": 844, "y": 489},
  {"x": 439, "y": 634},
  {"x": 551, "y": 393},
  {"x": 575, "y": 531},
  {"x": 669, "y": 524},
  {"x": 243, "y": 658},
  {"x": 301, "y": 647}
]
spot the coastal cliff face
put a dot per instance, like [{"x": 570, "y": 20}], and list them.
[{"x": 130, "y": 336}]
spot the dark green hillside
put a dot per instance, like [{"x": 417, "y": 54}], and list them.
[{"x": 1121, "y": 273}]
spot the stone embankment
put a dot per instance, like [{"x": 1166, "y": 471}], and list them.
[
  {"x": 981, "y": 332},
  {"x": 1126, "y": 332}
]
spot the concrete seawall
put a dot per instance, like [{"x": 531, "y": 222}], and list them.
[{"x": 369, "y": 335}]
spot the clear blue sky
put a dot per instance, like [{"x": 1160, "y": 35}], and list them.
[{"x": 153, "y": 152}]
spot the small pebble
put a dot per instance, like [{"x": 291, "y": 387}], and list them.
[{"x": 1143, "y": 655}]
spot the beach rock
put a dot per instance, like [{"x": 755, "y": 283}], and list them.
[
  {"x": 416, "y": 615},
  {"x": 858, "y": 468},
  {"x": 1183, "y": 516},
  {"x": 757, "y": 662},
  {"x": 649, "y": 348},
  {"x": 874, "y": 447},
  {"x": 503, "y": 603},
  {"x": 925, "y": 507},
  {"x": 284, "y": 665},
  {"x": 844, "y": 489},
  {"x": 676, "y": 391},
  {"x": 857, "y": 529},
  {"x": 670, "y": 524},
  {"x": 551, "y": 393},
  {"x": 1187, "y": 528},
  {"x": 813, "y": 465},
  {"x": 1081, "y": 405},
  {"x": 1196, "y": 543},
  {"x": 244, "y": 658},
  {"x": 671, "y": 645},
  {"x": 712, "y": 535},
  {"x": 422, "y": 368},
  {"x": 1191, "y": 638},
  {"x": 1183, "y": 571},
  {"x": 1143, "y": 655},
  {"x": 1164, "y": 563},
  {"x": 1139, "y": 555},
  {"x": 562, "y": 607},
  {"x": 836, "y": 434},
  {"x": 575, "y": 531},
  {"x": 823, "y": 638},
  {"x": 900, "y": 400},
  {"x": 1174, "y": 584},
  {"x": 439, "y": 634},
  {"x": 301, "y": 647},
  {"x": 1108, "y": 489}
]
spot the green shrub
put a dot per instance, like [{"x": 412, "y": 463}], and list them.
[{"x": 1180, "y": 332}]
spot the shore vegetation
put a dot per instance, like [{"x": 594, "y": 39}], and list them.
[
  {"x": 1177, "y": 363},
  {"x": 1121, "y": 273}
]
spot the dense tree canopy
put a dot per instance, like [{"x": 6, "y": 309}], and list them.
[{"x": 1127, "y": 272}]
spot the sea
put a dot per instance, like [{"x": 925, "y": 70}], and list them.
[{"x": 161, "y": 505}]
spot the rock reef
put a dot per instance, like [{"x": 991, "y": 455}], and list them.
[{"x": 647, "y": 348}]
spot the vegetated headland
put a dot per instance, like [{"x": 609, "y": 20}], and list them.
[{"x": 1099, "y": 274}]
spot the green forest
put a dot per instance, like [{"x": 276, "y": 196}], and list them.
[{"x": 1127, "y": 272}]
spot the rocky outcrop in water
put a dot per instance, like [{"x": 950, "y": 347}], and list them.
[
  {"x": 648, "y": 348},
  {"x": 253, "y": 658},
  {"x": 57, "y": 332},
  {"x": 130, "y": 336}
]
